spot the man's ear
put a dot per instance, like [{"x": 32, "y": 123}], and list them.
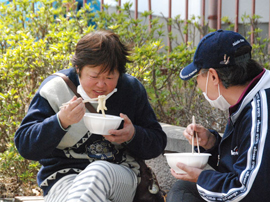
[{"x": 213, "y": 76}]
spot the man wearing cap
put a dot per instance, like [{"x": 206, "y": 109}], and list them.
[{"x": 230, "y": 80}]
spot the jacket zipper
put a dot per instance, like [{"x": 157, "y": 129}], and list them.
[
  {"x": 219, "y": 146},
  {"x": 218, "y": 160}
]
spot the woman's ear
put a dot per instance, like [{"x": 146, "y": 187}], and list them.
[
  {"x": 77, "y": 69},
  {"x": 213, "y": 76}
]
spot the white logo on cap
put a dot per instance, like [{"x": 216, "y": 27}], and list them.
[
  {"x": 226, "y": 61},
  {"x": 190, "y": 74},
  {"x": 238, "y": 41}
]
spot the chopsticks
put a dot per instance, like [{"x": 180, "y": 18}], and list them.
[
  {"x": 84, "y": 101},
  {"x": 192, "y": 145},
  {"x": 195, "y": 134}
]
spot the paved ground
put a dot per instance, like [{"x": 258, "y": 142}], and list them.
[{"x": 162, "y": 171}]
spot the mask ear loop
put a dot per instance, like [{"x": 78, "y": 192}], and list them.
[
  {"x": 218, "y": 90},
  {"x": 206, "y": 82},
  {"x": 207, "y": 85}
]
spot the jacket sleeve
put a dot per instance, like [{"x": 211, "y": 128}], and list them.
[
  {"x": 39, "y": 132},
  {"x": 238, "y": 168},
  {"x": 213, "y": 159},
  {"x": 149, "y": 140}
]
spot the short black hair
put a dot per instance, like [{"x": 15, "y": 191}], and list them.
[{"x": 101, "y": 48}]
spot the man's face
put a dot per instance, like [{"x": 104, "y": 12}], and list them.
[
  {"x": 95, "y": 83},
  {"x": 207, "y": 86}
]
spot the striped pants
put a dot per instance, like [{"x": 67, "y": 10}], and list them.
[{"x": 101, "y": 181}]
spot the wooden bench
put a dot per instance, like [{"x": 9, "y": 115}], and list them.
[{"x": 29, "y": 199}]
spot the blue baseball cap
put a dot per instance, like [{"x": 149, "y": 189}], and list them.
[{"x": 216, "y": 50}]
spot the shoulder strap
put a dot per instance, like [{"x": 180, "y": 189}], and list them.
[{"x": 74, "y": 89}]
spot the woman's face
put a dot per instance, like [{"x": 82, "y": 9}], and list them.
[{"x": 95, "y": 83}]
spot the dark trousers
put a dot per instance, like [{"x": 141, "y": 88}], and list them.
[{"x": 184, "y": 191}]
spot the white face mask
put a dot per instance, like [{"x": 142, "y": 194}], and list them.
[{"x": 220, "y": 103}]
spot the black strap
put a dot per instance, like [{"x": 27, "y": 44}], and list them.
[{"x": 74, "y": 89}]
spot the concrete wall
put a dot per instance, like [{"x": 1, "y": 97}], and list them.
[
  {"x": 195, "y": 8},
  {"x": 228, "y": 10}
]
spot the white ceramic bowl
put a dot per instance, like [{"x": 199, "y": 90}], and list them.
[
  {"x": 195, "y": 160},
  {"x": 98, "y": 124}
]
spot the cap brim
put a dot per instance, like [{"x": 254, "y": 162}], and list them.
[{"x": 188, "y": 72}]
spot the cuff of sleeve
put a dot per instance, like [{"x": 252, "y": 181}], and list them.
[
  {"x": 131, "y": 138},
  {"x": 215, "y": 145},
  {"x": 218, "y": 139},
  {"x": 64, "y": 129}
]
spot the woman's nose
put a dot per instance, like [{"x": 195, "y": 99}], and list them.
[{"x": 101, "y": 83}]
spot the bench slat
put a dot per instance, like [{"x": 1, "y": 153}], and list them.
[{"x": 29, "y": 199}]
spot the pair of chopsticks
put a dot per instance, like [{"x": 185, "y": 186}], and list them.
[
  {"x": 84, "y": 101},
  {"x": 195, "y": 134}
]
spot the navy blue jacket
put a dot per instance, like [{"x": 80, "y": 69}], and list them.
[
  {"x": 40, "y": 137},
  {"x": 241, "y": 157}
]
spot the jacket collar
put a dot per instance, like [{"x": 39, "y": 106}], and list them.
[{"x": 258, "y": 83}]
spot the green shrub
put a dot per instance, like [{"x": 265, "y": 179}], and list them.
[
  {"x": 36, "y": 43},
  {"x": 33, "y": 45}
]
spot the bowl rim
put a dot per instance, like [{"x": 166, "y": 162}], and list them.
[
  {"x": 187, "y": 154},
  {"x": 100, "y": 116}
]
